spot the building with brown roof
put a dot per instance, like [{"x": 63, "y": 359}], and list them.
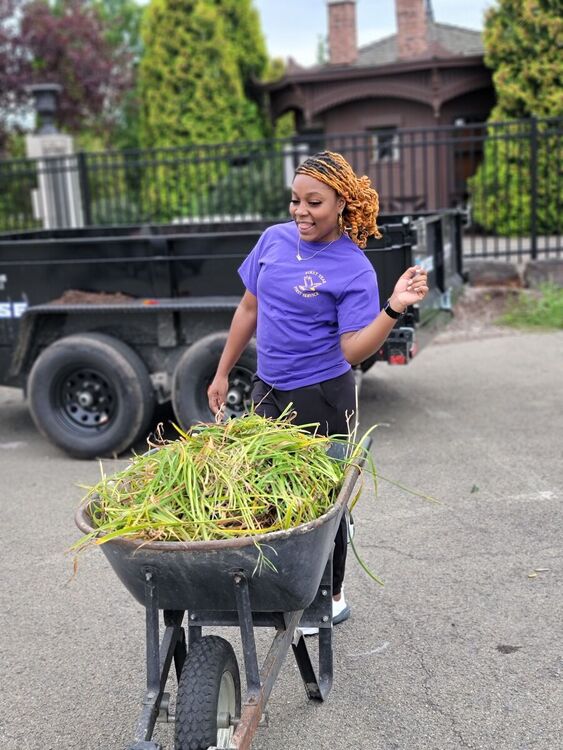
[{"x": 428, "y": 74}]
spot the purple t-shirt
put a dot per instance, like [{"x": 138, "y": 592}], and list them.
[{"x": 304, "y": 306}]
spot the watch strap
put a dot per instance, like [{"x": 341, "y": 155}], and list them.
[{"x": 390, "y": 312}]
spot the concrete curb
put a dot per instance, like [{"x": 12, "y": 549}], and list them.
[
  {"x": 530, "y": 275},
  {"x": 538, "y": 272}
]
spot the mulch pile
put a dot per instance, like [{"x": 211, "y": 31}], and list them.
[{"x": 76, "y": 297}]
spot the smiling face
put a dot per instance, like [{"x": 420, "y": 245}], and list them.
[{"x": 315, "y": 207}]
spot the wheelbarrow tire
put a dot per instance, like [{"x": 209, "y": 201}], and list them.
[{"x": 209, "y": 685}]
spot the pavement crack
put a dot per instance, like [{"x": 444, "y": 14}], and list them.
[
  {"x": 462, "y": 742},
  {"x": 398, "y": 551},
  {"x": 428, "y": 676}
]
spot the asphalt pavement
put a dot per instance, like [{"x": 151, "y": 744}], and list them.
[{"x": 461, "y": 648}]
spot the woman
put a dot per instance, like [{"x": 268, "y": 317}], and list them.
[{"x": 312, "y": 298}]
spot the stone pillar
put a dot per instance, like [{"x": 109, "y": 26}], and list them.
[
  {"x": 342, "y": 32},
  {"x": 56, "y": 200}
]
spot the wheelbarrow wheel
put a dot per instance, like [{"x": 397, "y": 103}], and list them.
[{"x": 208, "y": 695}]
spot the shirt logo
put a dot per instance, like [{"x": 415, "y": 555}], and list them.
[{"x": 311, "y": 281}]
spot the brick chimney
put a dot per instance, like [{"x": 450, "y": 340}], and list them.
[
  {"x": 342, "y": 32},
  {"x": 413, "y": 34}
]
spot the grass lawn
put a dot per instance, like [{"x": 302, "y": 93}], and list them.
[{"x": 542, "y": 308}]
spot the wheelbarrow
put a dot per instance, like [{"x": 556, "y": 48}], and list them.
[{"x": 221, "y": 583}]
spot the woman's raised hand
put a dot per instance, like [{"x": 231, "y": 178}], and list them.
[{"x": 411, "y": 287}]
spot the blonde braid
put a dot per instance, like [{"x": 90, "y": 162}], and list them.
[{"x": 362, "y": 201}]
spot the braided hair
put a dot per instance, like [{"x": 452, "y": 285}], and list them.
[{"x": 362, "y": 201}]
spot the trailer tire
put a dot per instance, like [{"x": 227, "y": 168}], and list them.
[
  {"x": 208, "y": 691},
  {"x": 194, "y": 373},
  {"x": 91, "y": 395}
]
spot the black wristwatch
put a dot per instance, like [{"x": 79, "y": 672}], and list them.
[{"x": 390, "y": 312}]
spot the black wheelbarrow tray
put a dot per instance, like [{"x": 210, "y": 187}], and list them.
[{"x": 223, "y": 583}]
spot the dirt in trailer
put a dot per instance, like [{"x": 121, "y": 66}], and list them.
[{"x": 78, "y": 297}]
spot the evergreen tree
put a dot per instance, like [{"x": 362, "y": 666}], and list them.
[
  {"x": 242, "y": 25},
  {"x": 523, "y": 41},
  {"x": 199, "y": 60},
  {"x": 197, "y": 74}
]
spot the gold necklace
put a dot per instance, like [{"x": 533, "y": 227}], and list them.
[{"x": 300, "y": 257}]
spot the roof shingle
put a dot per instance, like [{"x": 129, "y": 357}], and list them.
[{"x": 446, "y": 40}]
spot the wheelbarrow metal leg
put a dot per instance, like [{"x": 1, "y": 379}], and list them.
[
  {"x": 318, "y": 688},
  {"x": 247, "y": 634},
  {"x": 151, "y": 624},
  {"x": 325, "y": 632},
  {"x": 173, "y": 619},
  {"x": 325, "y": 662},
  {"x": 159, "y": 659}
]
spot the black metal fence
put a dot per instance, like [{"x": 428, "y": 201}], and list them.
[{"x": 507, "y": 178}]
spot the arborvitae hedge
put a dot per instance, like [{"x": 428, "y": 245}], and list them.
[
  {"x": 196, "y": 81},
  {"x": 523, "y": 42},
  {"x": 200, "y": 59}
]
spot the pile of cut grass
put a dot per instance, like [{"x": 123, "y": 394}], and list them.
[{"x": 245, "y": 477}]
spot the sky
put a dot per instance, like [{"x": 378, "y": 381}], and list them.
[{"x": 292, "y": 27}]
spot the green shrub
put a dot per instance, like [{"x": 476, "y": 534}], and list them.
[
  {"x": 542, "y": 309},
  {"x": 501, "y": 190}
]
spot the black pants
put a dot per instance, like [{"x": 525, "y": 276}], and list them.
[{"x": 332, "y": 405}]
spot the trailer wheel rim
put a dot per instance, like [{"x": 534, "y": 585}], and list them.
[
  {"x": 85, "y": 399},
  {"x": 238, "y": 398},
  {"x": 226, "y": 706}
]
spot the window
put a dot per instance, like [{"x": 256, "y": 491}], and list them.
[{"x": 385, "y": 144}]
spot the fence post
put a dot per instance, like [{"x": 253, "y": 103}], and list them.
[
  {"x": 534, "y": 187},
  {"x": 84, "y": 188}
]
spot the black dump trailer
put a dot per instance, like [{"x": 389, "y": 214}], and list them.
[{"x": 98, "y": 325}]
